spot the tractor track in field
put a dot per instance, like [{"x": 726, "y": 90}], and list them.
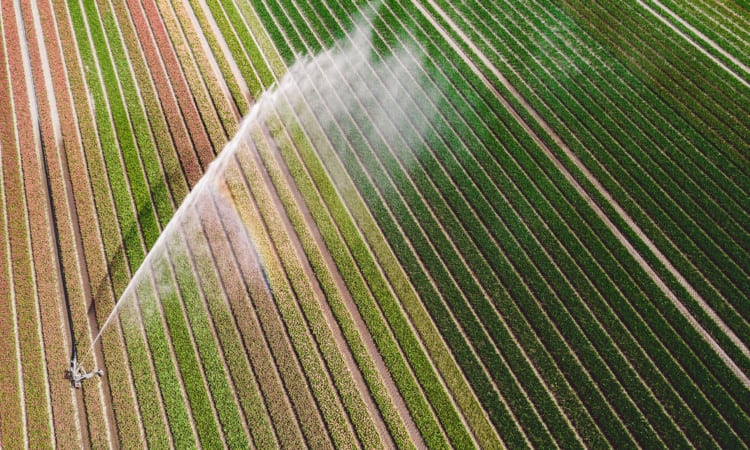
[{"x": 585, "y": 195}]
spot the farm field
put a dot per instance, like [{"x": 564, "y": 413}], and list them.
[{"x": 404, "y": 223}]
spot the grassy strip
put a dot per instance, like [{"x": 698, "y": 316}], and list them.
[
  {"x": 348, "y": 393},
  {"x": 211, "y": 290},
  {"x": 699, "y": 311},
  {"x": 725, "y": 39},
  {"x": 727, "y": 31},
  {"x": 265, "y": 361},
  {"x": 499, "y": 170},
  {"x": 268, "y": 51},
  {"x": 242, "y": 45},
  {"x": 268, "y": 306}
]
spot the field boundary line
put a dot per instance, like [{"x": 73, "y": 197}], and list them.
[
  {"x": 585, "y": 195},
  {"x": 700, "y": 35}
]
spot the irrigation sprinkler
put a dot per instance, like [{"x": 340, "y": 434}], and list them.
[{"x": 75, "y": 371}]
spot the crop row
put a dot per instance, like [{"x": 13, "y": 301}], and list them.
[
  {"x": 185, "y": 58},
  {"x": 91, "y": 195},
  {"x": 448, "y": 416},
  {"x": 138, "y": 357},
  {"x": 702, "y": 101},
  {"x": 684, "y": 219},
  {"x": 347, "y": 393},
  {"x": 562, "y": 183},
  {"x": 282, "y": 139},
  {"x": 723, "y": 30},
  {"x": 54, "y": 236},
  {"x": 177, "y": 386},
  {"x": 28, "y": 254},
  {"x": 14, "y": 256}
]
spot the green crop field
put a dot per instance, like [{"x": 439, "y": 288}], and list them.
[{"x": 396, "y": 223}]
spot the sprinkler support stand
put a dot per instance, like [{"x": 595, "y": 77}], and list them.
[{"x": 78, "y": 374}]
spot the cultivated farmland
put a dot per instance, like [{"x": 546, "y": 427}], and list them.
[{"x": 439, "y": 224}]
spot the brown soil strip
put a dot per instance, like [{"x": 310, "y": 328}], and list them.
[{"x": 589, "y": 200}]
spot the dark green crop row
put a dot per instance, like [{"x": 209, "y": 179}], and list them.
[
  {"x": 372, "y": 285},
  {"x": 720, "y": 29},
  {"x": 600, "y": 83},
  {"x": 687, "y": 221},
  {"x": 662, "y": 63},
  {"x": 600, "y": 135},
  {"x": 562, "y": 182}
]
